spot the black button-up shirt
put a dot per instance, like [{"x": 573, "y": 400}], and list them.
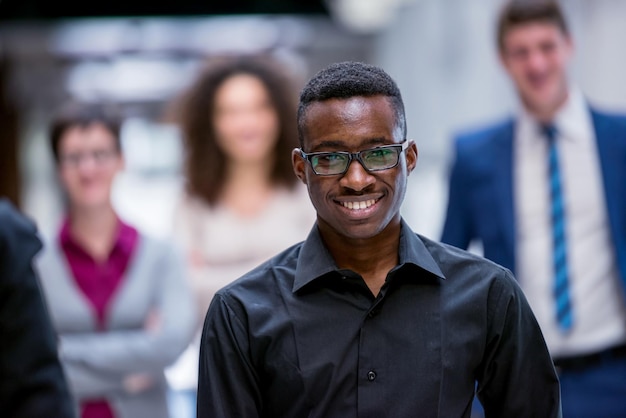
[{"x": 298, "y": 337}]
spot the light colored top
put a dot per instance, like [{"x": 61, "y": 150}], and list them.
[
  {"x": 229, "y": 246},
  {"x": 151, "y": 319},
  {"x": 599, "y": 315}
]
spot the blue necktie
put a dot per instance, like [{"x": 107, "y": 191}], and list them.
[{"x": 561, "y": 286}]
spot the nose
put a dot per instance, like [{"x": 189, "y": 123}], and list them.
[
  {"x": 537, "y": 60},
  {"x": 86, "y": 164},
  {"x": 357, "y": 177}
]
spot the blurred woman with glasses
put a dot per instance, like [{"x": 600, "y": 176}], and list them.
[
  {"x": 242, "y": 201},
  {"x": 119, "y": 299}
]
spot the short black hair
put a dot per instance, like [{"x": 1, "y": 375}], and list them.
[
  {"x": 73, "y": 113},
  {"x": 348, "y": 79}
]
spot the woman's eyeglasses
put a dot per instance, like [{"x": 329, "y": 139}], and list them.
[{"x": 99, "y": 157}]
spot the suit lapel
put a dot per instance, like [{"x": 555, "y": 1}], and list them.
[
  {"x": 610, "y": 156},
  {"x": 503, "y": 184},
  {"x": 611, "y": 140}
]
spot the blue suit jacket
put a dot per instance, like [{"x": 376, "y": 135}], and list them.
[{"x": 481, "y": 199}]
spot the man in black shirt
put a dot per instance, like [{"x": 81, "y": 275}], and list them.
[{"x": 366, "y": 318}]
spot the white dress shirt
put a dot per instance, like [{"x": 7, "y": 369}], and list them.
[{"x": 598, "y": 309}]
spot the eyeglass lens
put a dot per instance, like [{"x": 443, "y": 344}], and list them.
[
  {"x": 98, "y": 156},
  {"x": 373, "y": 159}
]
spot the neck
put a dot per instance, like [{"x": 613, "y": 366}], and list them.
[
  {"x": 247, "y": 174},
  {"x": 372, "y": 258},
  {"x": 95, "y": 229},
  {"x": 546, "y": 114},
  {"x": 247, "y": 188}
]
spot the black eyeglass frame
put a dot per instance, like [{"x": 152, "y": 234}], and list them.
[{"x": 404, "y": 145}]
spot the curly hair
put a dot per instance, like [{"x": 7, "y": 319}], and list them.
[
  {"x": 347, "y": 79},
  {"x": 205, "y": 162}
]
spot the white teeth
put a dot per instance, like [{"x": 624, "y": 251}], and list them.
[{"x": 359, "y": 205}]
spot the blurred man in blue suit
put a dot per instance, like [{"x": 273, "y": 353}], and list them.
[{"x": 544, "y": 192}]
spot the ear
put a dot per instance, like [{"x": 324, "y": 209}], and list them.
[
  {"x": 121, "y": 163},
  {"x": 411, "y": 156},
  {"x": 503, "y": 60},
  {"x": 299, "y": 165},
  {"x": 569, "y": 42}
]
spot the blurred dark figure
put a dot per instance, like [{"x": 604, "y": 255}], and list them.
[
  {"x": 118, "y": 297},
  {"x": 543, "y": 191},
  {"x": 32, "y": 384}
]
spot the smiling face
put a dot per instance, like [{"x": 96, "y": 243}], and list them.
[
  {"x": 536, "y": 55},
  {"x": 357, "y": 204},
  {"x": 88, "y": 163},
  {"x": 246, "y": 122}
]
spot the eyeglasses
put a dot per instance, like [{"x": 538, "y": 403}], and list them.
[
  {"x": 99, "y": 157},
  {"x": 373, "y": 159}
]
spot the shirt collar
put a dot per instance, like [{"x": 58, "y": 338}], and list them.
[
  {"x": 573, "y": 120},
  {"x": 315, "y": 261},
  {"x": 124, "y": 240}
]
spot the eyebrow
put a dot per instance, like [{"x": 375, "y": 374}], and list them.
[{"x": 339, "y": 145}]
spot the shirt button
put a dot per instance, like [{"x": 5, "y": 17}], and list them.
[{"x": 371, "y": 375}]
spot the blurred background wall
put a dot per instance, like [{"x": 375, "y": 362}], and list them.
[{"x": 441, "y": 53}]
